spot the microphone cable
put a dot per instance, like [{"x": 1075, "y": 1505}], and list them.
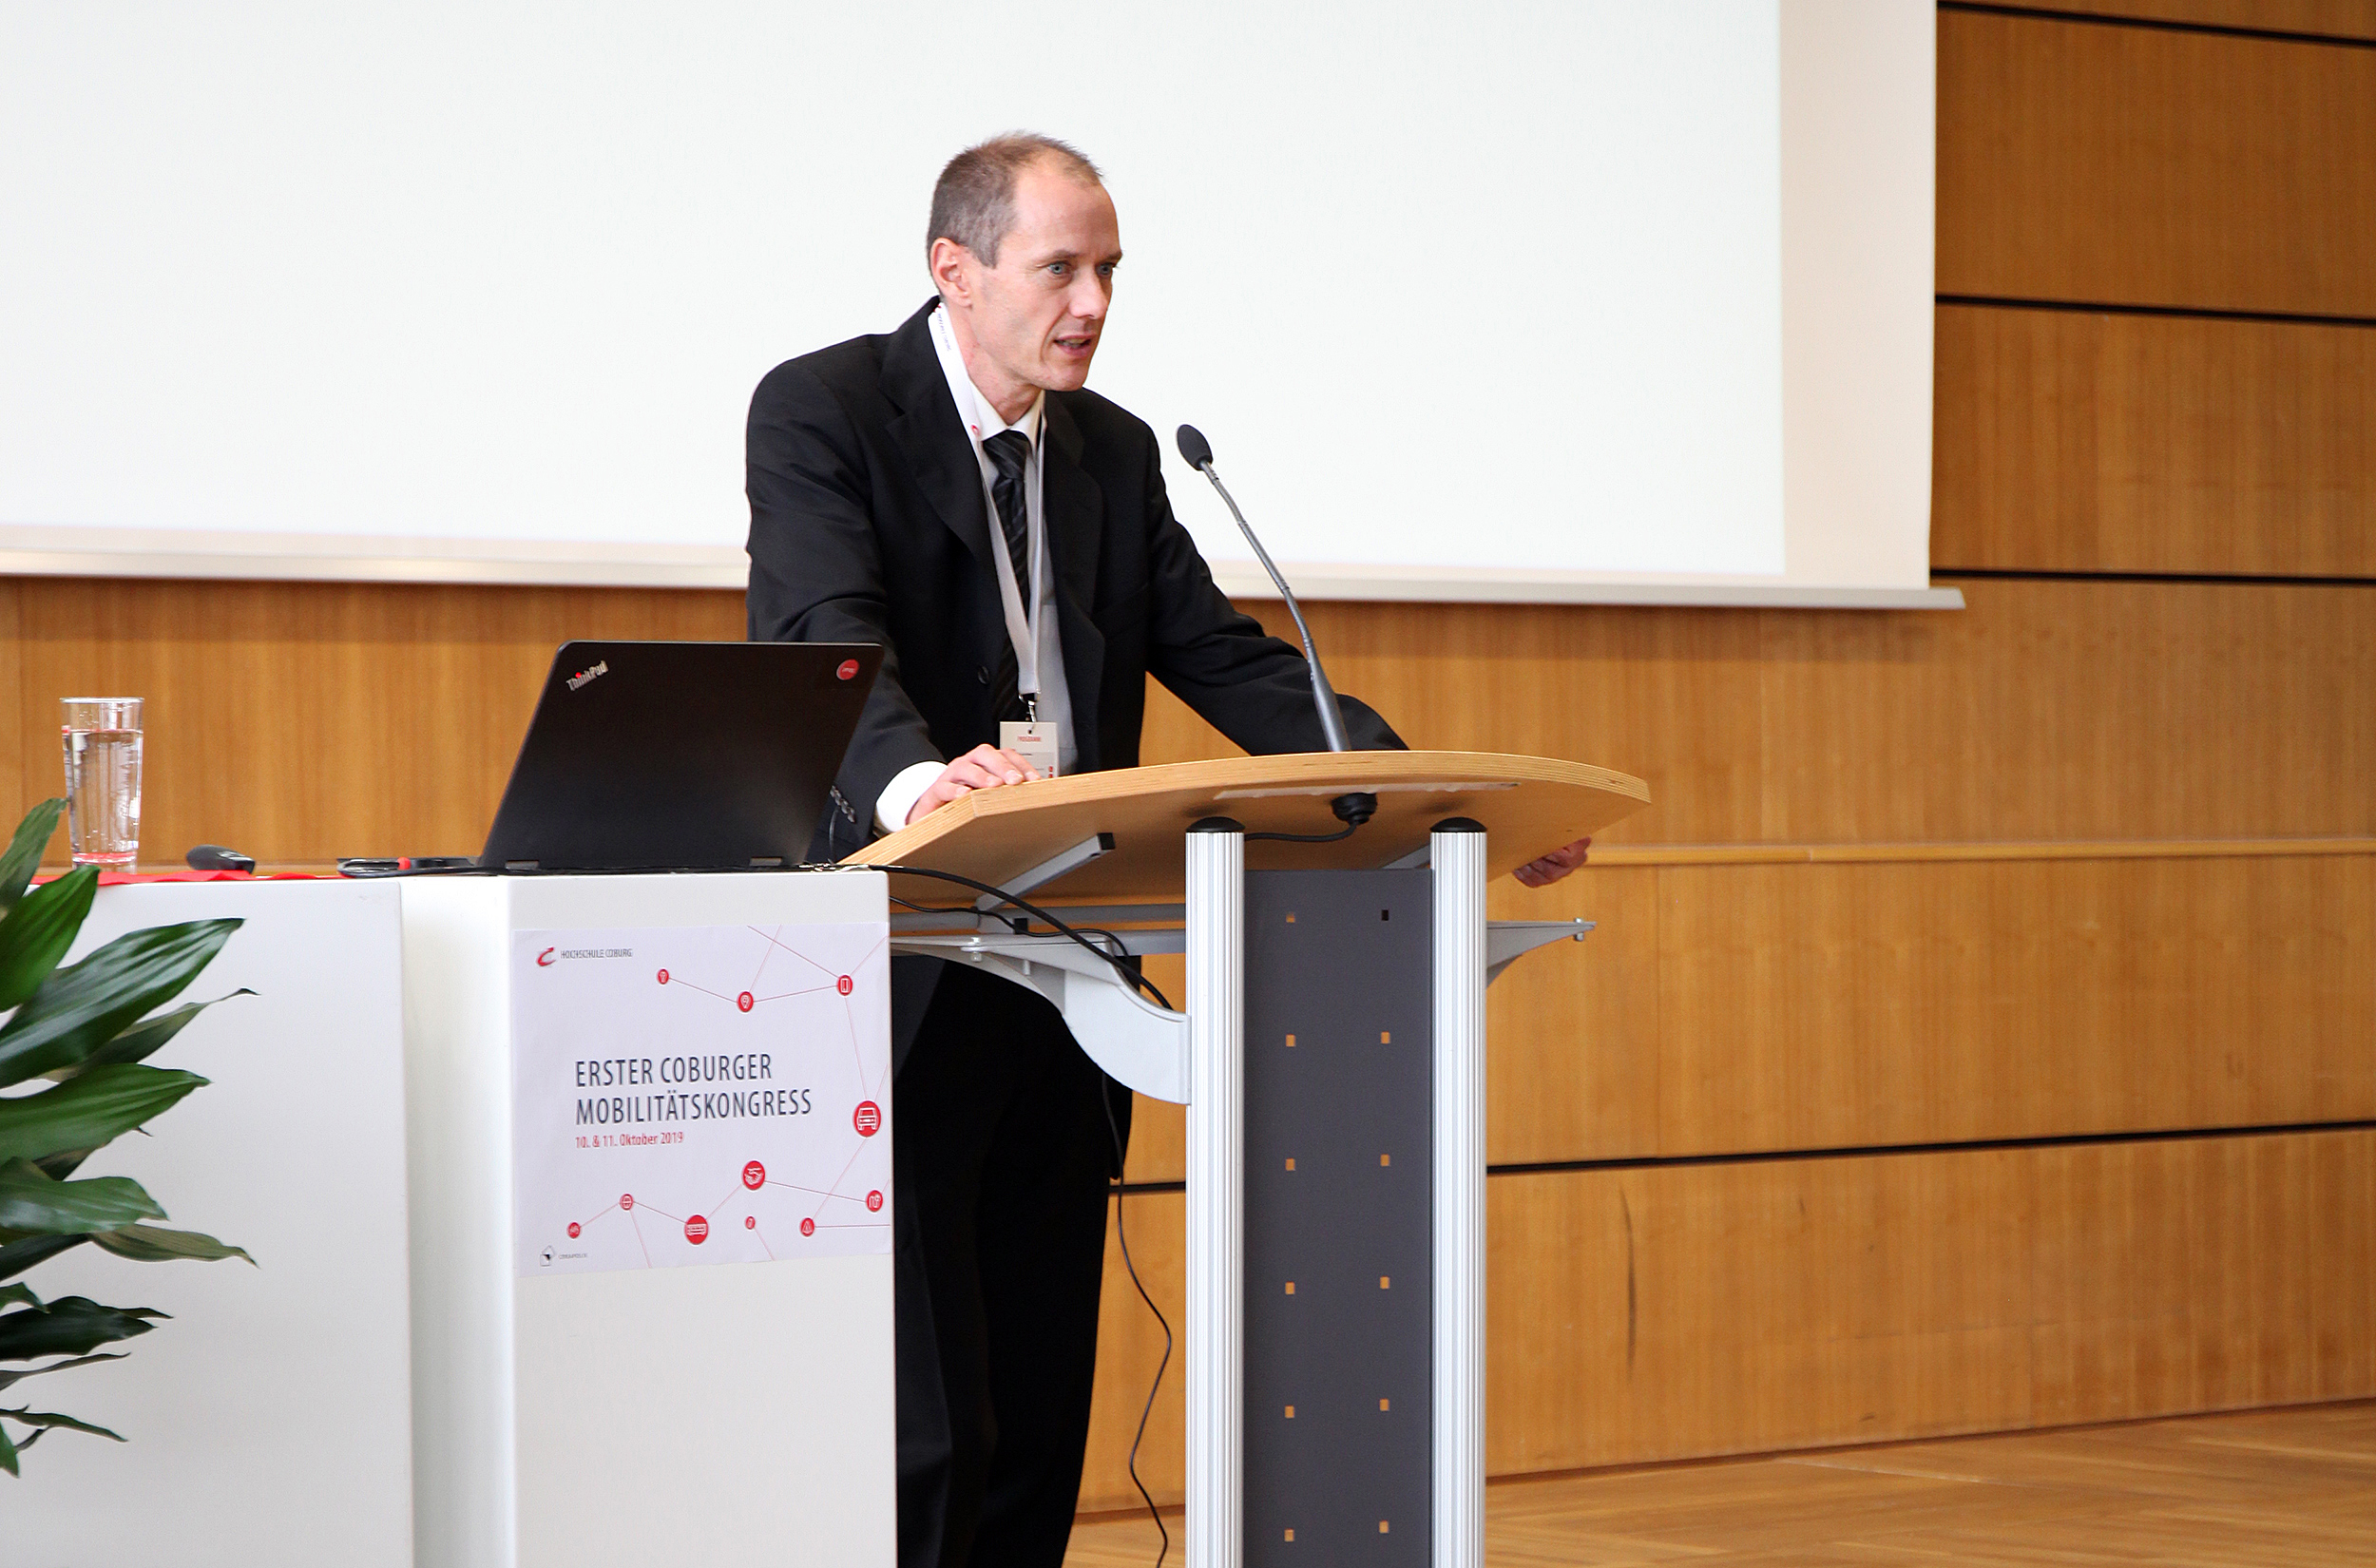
[{"x": 1114, "y": 1130}]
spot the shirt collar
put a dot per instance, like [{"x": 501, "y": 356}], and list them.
[{"x": 973, "y": 410}]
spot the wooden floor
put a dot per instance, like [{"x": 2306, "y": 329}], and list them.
[{"x": 2261, "y": 1489}]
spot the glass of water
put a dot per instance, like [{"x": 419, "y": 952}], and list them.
[{"x": 102, "y": 736}]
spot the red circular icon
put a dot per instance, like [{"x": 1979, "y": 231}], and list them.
[
  {"x": 750, "y": 1222},
  {"x": 627, "y": 1200},
  {"x": 808, "y": 1227},
  {"x": 868, "y": 1119},
  {"x": 697, "y": 1230},
  {"x": 573, "y": 1229},
  {"x": 744, "y": 1001},
  {"x": 755, "y": 1176},
  {"x": 663, "y": 977},
  {"x": 848, "y": 670},
  {"x": 874, "y": 1203},
  {"x": 844, "y": 986}
]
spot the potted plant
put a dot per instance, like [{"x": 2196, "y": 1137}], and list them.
[{"x": 73, "y": 1077}]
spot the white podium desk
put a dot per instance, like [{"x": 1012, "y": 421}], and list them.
[
  {"x": 589, "y": 1386},
  {"x": 402, "y": 1379}
]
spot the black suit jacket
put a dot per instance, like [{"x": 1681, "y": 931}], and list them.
[{"x": 868, "y": 524}]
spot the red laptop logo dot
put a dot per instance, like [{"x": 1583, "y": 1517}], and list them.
[{"x": 848, "y": 670}]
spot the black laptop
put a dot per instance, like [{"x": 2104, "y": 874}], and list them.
[{"x": 680, "y": 755}]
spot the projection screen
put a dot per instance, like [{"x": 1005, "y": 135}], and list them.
[{"x": 1584, "y": 300}]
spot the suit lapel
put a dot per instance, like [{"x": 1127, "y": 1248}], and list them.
[
  {"x": 1074, "y": 511},
  {"x": 931, "y": 435}
]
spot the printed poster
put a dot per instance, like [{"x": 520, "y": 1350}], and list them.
[{"x": 700, "y": 1095}]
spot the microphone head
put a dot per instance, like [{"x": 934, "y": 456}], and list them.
[{"x": 1195, "y": 447}]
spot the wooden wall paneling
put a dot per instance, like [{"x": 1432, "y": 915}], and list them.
[
  {"x": 1130, "y": 1348},
  {"x": 1677, "y": 1312},
  {"x": 2048, "y": 710},
  {"x": 1684, "y": 1310},
  {"x": 1866, "y": 1005},
  {"x": 2084, "y": 161},
  {"x": 2253, "y": 1259},
  {"x": 2326, "y": 18},
  {"x": 17, "y": 783},
  {"x": 2088, "y": 442},
  {"x": 304, "y": 721},
  {"x": 1674, "y": 689},
  {"x": 2061, "y": 710},
  {"x": 1573, "y": 1058}
]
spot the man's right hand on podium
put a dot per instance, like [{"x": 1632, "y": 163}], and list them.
[{"x": 986, "y": 767}]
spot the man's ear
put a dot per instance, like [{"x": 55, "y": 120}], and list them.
[{"x": 952, "y": 271}]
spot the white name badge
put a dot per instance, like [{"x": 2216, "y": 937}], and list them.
[{"x": 1034, "y": 741}]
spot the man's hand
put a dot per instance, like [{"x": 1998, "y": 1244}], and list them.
[
  {"x": 1543, "y": 872},
  {"x": 984, "y": 768}
]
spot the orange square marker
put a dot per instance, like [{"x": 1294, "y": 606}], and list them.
[
  {"x": 1383, "y": 1284},
  {"x": 1290, "y": 1163},
  {"x": 1381, "y": 1526},
  {"x": 1386, "y": 1036},
  {"x": 1290, "y": 919},
  {"x": 1385, "y": 1160},
  {"x": 1291, "y": 1412},
  {"x": 1290, "y": 1535},
  {"x": 1290, "y": 1043},
  {"x": 1291, "y": 1409},
  {"x": 1290, "y": 1287}
]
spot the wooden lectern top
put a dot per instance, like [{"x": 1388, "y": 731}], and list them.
[{"x": 1529, "y": 805}]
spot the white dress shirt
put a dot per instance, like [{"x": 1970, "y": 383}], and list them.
[{"x": 1054, "y": 696}]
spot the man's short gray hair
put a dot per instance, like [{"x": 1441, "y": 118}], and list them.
[{"x": 973, "y": 202}]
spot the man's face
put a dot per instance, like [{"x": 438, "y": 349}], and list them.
[{"x": 1032, "y": 321}]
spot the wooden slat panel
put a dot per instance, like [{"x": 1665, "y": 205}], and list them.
[
  {"x": 304, "y": 722},
  {"x": 1854, "y": 1006},
  {"x": 2072, "y": 710},
  {"x": 2135, "y": 166},
  {"x": 1728, "y": 1009},
  {"x": 2327, "y": 18},
  {"x": 17, "y": 785},
  {"x": 2048, "y": 710},
  {"x": 1130, "y": 1346},
  {"x": 1791, "y": 1304},
  {"x": 1670, "y": 1312},
  {"x": 2089, "y": 442}
]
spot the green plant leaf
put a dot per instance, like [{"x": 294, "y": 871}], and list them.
[
  {"x": 151, "y": 1244},
  {"x": 30, "y": 1201},
  {"x": 83, "y": 1007},
  {"x": 7, "y": 1453},
  {"x": 20, "y": 1251},
  {"x": 24, "y": 852},
  {"x": 19, "y": 1295},
  {"x": 70, "y": 1325},
  {"x": 36, "y": 933},
  {"x": 50, "y": 1420},
  {"x": 9, "y": 1380},
  {"x": 89, "y": 1111},
  {"x": 143, "y": 1039}
]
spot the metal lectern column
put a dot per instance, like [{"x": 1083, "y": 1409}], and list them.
[
  {"x": 1216, "y": 1212},
  {"x": 1457, "y": 850}
]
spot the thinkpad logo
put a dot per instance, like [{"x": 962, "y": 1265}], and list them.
[{"x": 585, "y": 675}]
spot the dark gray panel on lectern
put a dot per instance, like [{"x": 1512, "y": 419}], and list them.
[{"x": 1343, "y": 961}]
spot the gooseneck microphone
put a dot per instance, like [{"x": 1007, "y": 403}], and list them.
[
  {"x": 1351, "y": 810},
  {"x": 1198, "y": 452}
]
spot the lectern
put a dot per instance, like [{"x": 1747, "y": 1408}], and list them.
[{"x": 1331, "y": 1052}]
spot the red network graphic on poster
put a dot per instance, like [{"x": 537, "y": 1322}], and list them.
[{"x": 748, "y": 1194}]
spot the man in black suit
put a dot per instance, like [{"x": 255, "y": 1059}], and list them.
[{"x": 951, "y": 491}]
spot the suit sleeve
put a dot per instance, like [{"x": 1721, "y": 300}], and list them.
[
  {"x": 816, "y": 576},
  {"x": 1251, "y": 687}
]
